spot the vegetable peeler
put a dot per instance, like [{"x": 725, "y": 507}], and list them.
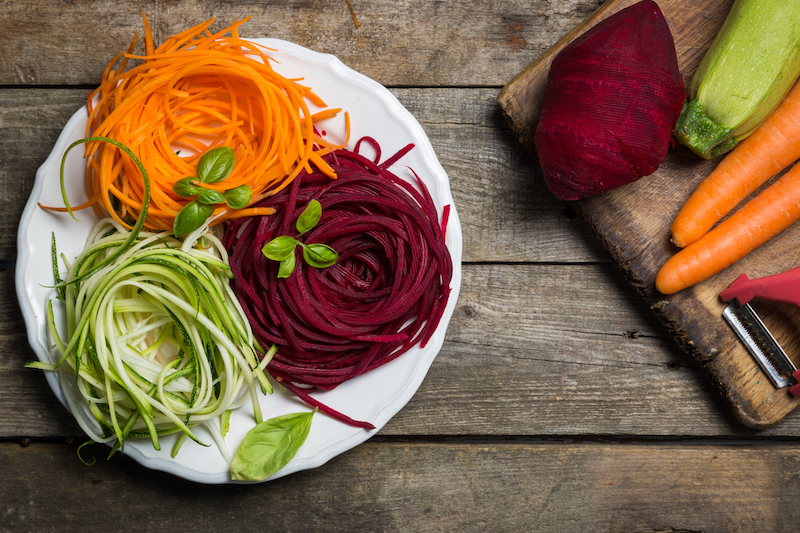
[{"x": 742, "y": 318}]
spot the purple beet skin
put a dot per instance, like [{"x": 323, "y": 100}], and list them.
[{"x": 612, "y": 100}]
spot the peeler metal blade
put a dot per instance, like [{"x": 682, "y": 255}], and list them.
[{"x": 760, "y": 343}]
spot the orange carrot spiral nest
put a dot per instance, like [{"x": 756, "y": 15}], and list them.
[{"x": 197, "y": 91}]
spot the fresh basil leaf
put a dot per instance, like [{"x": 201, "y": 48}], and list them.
[
  {"x": 287, "y": 266},
  {"x": 310, "y": 216},
  {"x": 209, "y": 196},
  {"x": 268, "y": 446},
  {"x": 216, "y": 164},
  {"x": 279, "y": 248},
  {"x": 319, "y": 255},
  {"x": 238, "y": 197},
  {"x": 184, "y": 188},
  {"x": 190, "y": 218}
]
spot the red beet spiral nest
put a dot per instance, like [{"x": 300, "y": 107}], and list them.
[{"x": 386, "y": 293}]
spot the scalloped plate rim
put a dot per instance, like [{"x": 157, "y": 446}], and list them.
[{"x": 423, "y": 360}]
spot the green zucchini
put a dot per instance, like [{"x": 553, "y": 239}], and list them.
[{"x": 751, "y": 65}]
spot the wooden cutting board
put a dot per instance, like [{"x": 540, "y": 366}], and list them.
[{"x": 633, "y": 221}]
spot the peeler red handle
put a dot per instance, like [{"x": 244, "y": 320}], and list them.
[
  {"x": 794, "y": 390},
  {"x": 783, "y": 287}
]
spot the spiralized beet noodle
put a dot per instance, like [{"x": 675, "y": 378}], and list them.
[{"x": 386, "y": 293}]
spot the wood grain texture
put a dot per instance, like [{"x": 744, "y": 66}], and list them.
[
  {"x": 559, "y": 488},
  {"x": 634, "y": 229},
  {"x": 559, "y": 402},
  {"x": 399, "y": 42}
]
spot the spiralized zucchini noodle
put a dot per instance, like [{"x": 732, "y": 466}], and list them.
[{"x": 156, "y": 342}]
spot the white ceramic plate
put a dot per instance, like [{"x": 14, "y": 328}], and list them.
[{"x": 375, "y": 396}]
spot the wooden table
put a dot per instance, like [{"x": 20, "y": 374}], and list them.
[{"x": 558, "y": 402}]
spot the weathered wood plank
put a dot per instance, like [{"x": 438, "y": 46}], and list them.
[
  {"x": 562, "y": 488},
  {"x": 30, "y": 122},
  {"x": 506, "y": 212},
  {"x": 464, "y": 43},
  {"x": 516, "y": 361},
  {"x": 548, "y": 344}
]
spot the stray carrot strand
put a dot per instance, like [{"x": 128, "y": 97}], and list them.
[
  {"x": 352, "y": 13},
  {"x": 248, "y": 212}
]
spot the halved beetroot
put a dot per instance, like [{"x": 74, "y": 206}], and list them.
[{"x": 612, "y": 100}]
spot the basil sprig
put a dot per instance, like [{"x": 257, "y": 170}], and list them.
[
  {"x": 270, "y": 445},
  {"x": 238, "y": 197},
  {"x": 213, "y": 166},
  {"x": 282, "y": 248},
  {"x": 216, "y": 164},
  {"x": 185, "y": 188}
]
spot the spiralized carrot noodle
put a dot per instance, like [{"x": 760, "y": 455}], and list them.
[{"x": 196, "y": 91}]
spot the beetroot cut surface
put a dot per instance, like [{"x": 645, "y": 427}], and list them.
[
  {"x": 386, "y": 293},
  {"x": 612, "y": 100}
]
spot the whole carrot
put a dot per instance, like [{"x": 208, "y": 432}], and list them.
[
  {"x": 771, "y": 148},
  {"x": 760, "y": 219}
]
